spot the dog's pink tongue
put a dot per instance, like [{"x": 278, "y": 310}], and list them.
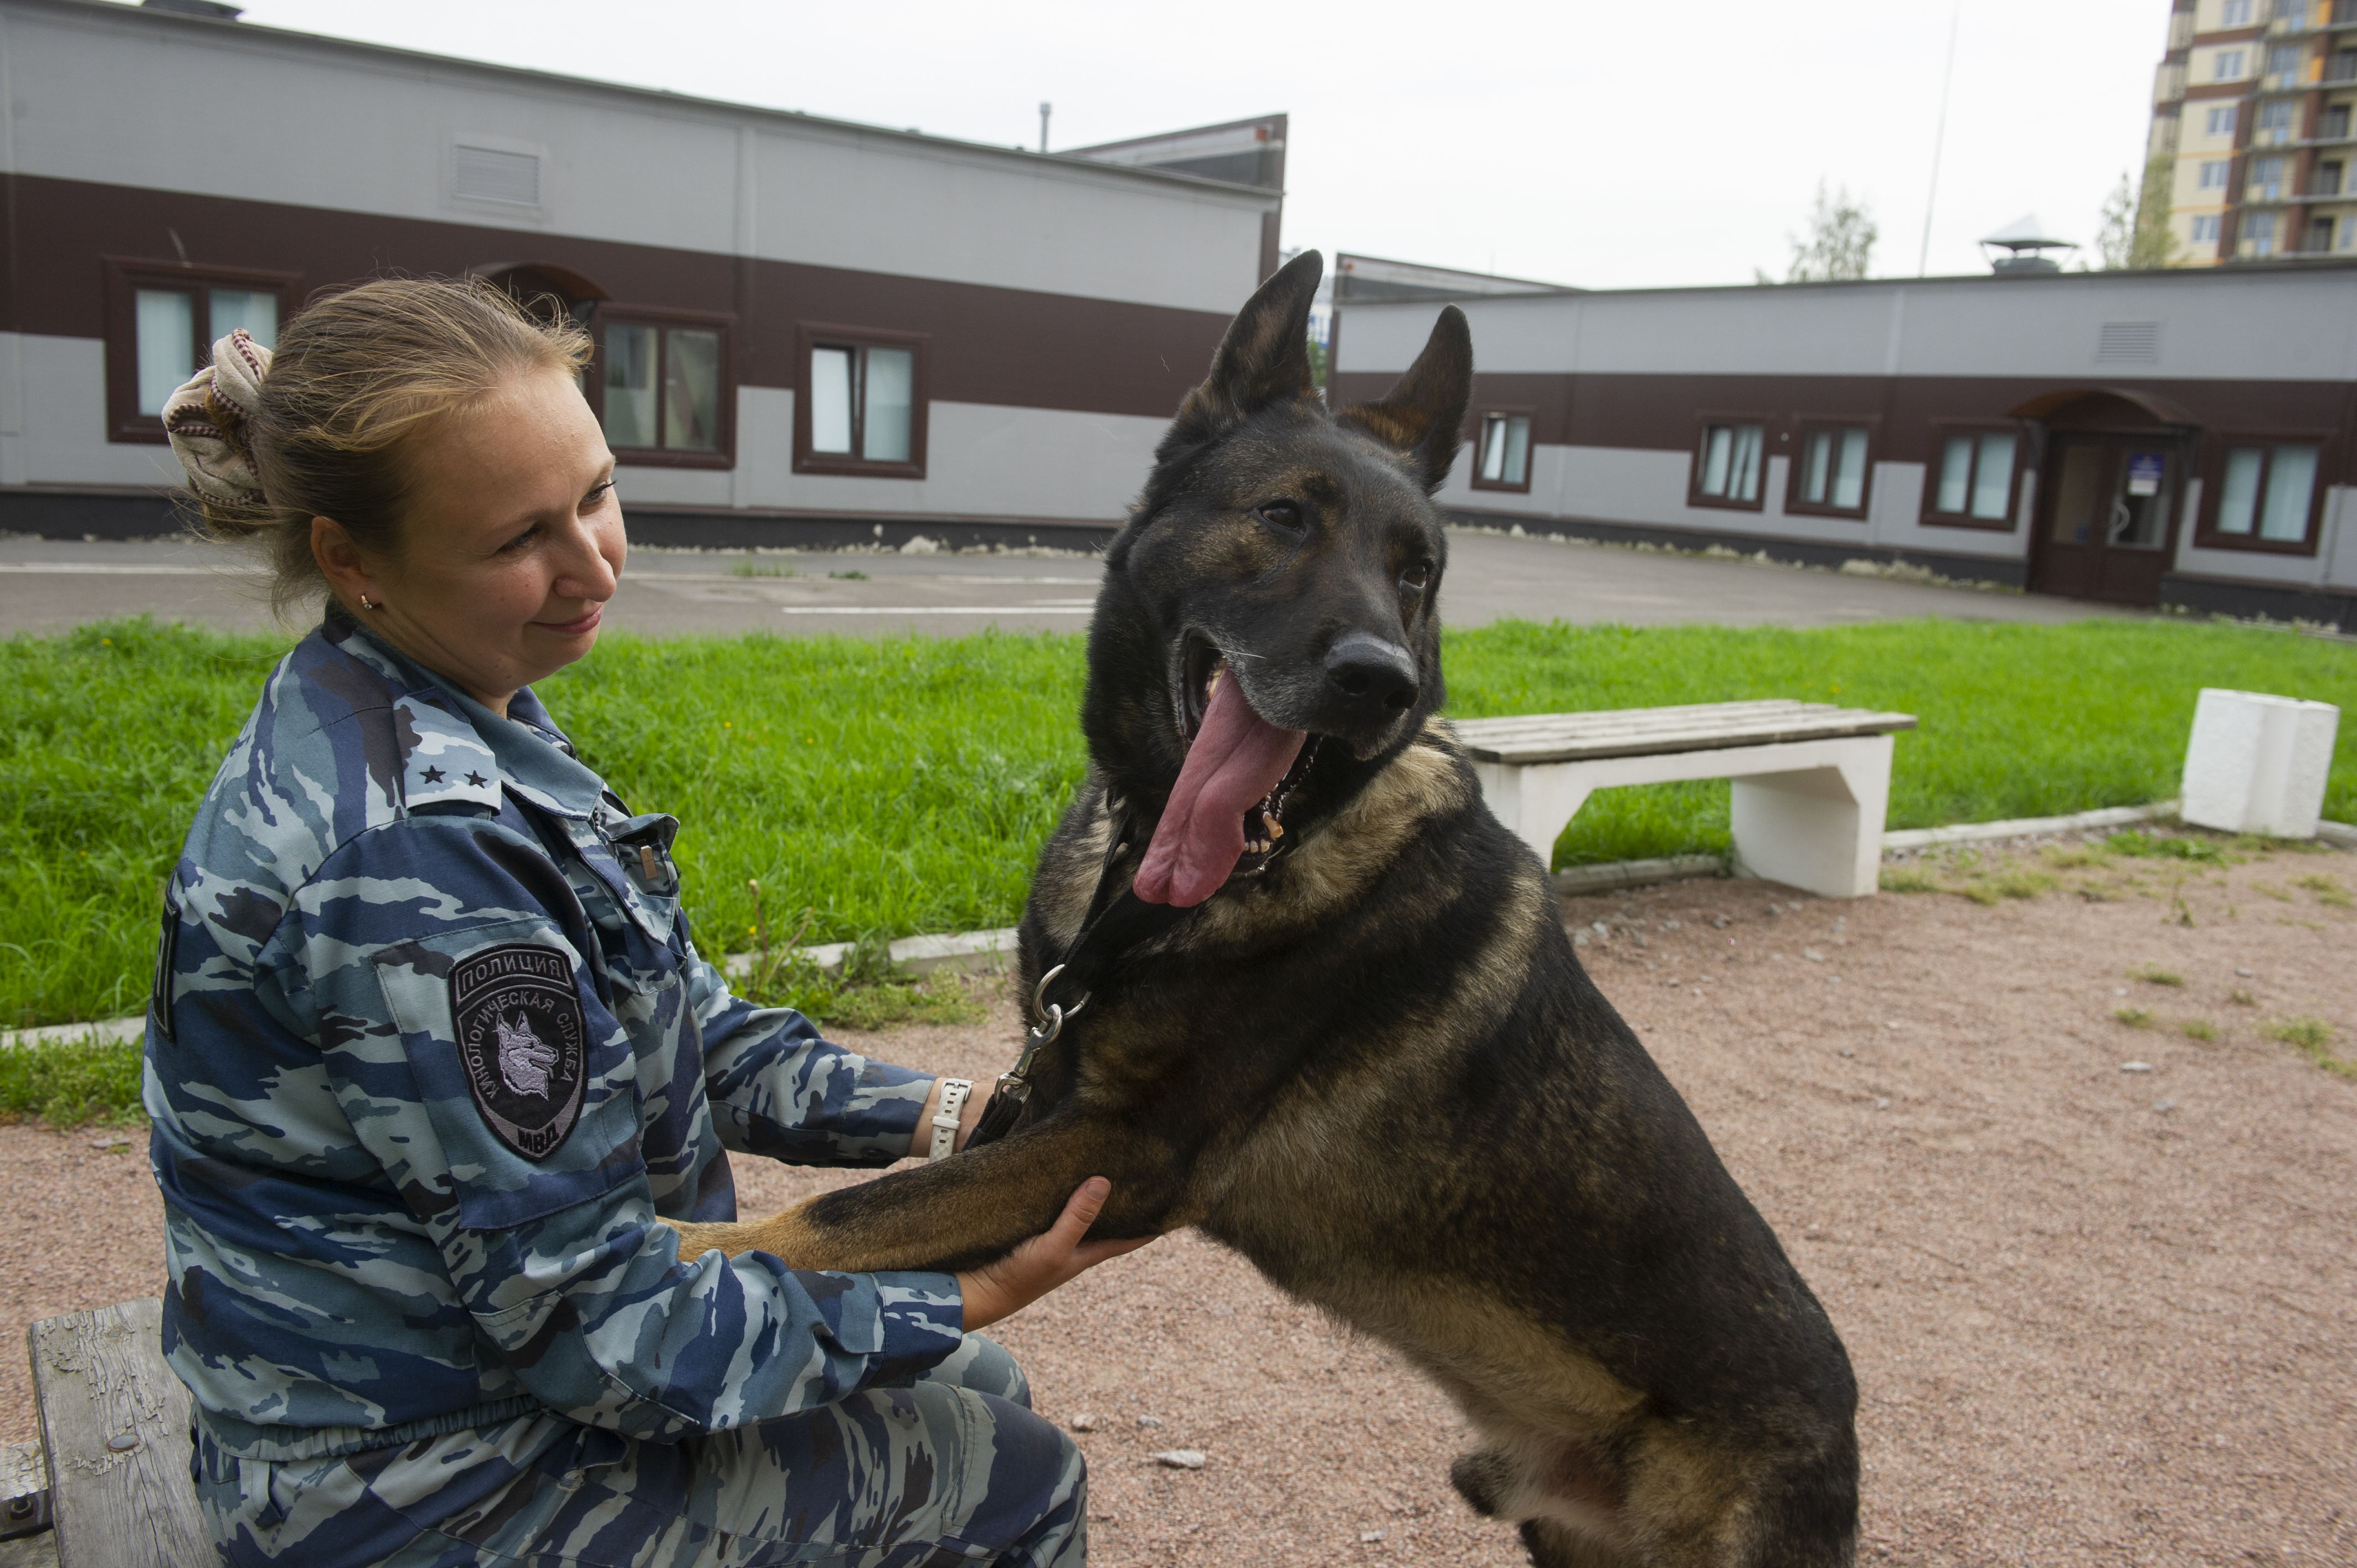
[{"x": 1238, "y": 756}]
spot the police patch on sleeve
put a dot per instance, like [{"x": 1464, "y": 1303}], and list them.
[{"x": 523, "y": 1042}]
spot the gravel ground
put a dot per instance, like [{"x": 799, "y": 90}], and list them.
[{"x": 2098, "y": 1316}]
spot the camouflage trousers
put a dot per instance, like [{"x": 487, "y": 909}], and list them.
[{"x": 951, "y": 1466}]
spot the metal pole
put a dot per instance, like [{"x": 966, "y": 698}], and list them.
[
  {"x": 1045, "y": 109},
  {"x": 1939, "y": 135}
]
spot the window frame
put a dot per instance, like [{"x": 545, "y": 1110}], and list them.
[
  {"x": 610, "y": 313},
  {"x": 1530, "y": 446},
  {"x": 1696, "y": 451},
  {"x": 810, "y": 334},
  {"x": 2206, "y": 535},
  {"x": 1945, "y": 430},
  {"x": 1796, "y": 465},
  {"x": 125, "y": 277}
]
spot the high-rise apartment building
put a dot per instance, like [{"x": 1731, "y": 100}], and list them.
[{"x": 2252, "y": 136}]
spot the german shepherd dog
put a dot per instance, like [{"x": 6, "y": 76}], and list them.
[{"x": 1345, "y": 1033}]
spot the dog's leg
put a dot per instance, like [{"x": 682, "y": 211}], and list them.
[
  {"x": 1567, "y": 1517},
  {"x": 963, "y": 1211}
]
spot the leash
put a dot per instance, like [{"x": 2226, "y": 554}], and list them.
[{"x": 1111, "y": 929}]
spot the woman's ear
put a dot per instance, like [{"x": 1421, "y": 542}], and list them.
[{"x": 341, "y": 563}]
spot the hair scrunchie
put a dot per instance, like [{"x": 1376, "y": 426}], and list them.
[{"x": 208, "y": 416}]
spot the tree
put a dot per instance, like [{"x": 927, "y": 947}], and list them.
[
  {"x": 1840, "y": 243},
  {"x": 2116, "y": 228},
  {"x": 2133, "y": 229},
  {"x": 2156, "y": 241}
]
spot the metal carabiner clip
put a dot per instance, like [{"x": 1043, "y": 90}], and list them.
[{"x": 1039, "y": 1003}]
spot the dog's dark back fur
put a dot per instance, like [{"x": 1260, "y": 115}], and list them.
[{"x": 1372, "y": 1062}]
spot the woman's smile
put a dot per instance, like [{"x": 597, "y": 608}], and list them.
[{"x": 580, "y": 626}]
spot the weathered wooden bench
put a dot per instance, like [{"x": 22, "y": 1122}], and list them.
[
  {"x": 1811, "y": 781},
  {"x": 113, "y": 1455}
]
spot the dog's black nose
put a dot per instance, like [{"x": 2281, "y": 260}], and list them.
[{"x": 1372, "y": 673}]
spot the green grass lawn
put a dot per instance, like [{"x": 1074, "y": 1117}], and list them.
[{"x": 905, "y": 785}]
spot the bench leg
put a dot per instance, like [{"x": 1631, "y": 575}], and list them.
[
  {"x": 1819, "y": 829},
  {"x": 1536, "y": 803}
]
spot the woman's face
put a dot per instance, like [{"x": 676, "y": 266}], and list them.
[{"x": 511, "y": 545}]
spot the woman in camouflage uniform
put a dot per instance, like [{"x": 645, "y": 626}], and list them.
[{"x": 432, "y": 1052}]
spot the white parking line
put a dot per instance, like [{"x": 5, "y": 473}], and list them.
[
  {"x": 109, "y": 569},
  {"x": 1060, "y": 607}
]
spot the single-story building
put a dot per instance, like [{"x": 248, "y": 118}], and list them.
[
  {"x": 808, "y": 331},
  {"x": 2179, "y": 437}
]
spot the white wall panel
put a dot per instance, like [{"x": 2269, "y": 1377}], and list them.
[
  {"x": 983, "y": 460},
  {"x": 1894, "y": 520},
  {"x": 2340, "y": 545},
  {"x": 133, "y": 99},
  {"x": 2289, "y": 326},
  {"x": 2259, "y": 565},
  {"x": 63, "y": 421}
]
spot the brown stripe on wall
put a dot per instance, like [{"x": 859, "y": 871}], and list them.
[
  {"x": 1661, "y": 412},
  {"x": 1013, "y": 347}
]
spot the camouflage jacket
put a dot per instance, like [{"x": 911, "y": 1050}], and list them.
[{"x": 430, "y": 1051}]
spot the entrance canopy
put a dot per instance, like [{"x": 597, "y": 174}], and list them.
[{"x": 2100, "y": 405}]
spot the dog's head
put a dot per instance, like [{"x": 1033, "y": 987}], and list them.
[{"x": 1272, "y": 595}]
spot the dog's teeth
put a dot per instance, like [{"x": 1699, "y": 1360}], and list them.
[
  {"x": 1212, "y": 684},
  {"x": 1275, "y": 829}
]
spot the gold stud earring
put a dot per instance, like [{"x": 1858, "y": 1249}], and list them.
[{"x": 364, "y": 603}]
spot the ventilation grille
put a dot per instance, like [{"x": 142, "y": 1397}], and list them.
[
  {"x": 486, "y": 174},
  {"x": 2129, "y": 342}
]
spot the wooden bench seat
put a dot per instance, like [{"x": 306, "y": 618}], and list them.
[
  {"x": 114, "y": 1428},
  {"x": 1811, "y": 781}
]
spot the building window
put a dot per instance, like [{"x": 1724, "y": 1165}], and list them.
[
  {"x": 2274, "y": 127},
  {"x": 2221, "y": 122},
  {"x": 2228, "y": 65},
  {"x": 2259, "y": 234},
  {"x": 861, "y": 406},
  {"x": 2266, "y": 494},
  {"x": 162, "y": 321},
  {"x": 2283, "y": 61},
  {"x": 1726, "y": 463},
  {"x": 1973, "y": 478},
  {"x": 2214, "y": 175},
  {"x": 2267, "y": 179},
  {"x": 2234, "y": 13},
  {"x": 663, "y": 388},
  {"x": 1505, "y": 456},
  {"x": 2205, "y": 229},
  {"x": 2348, "y": 240},
  {"x": 1831, "y": 472}
]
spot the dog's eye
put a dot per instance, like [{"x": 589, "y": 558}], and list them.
[
  {"x": 1285, "y": 515},
  {"x": 1417, "y": 576}
]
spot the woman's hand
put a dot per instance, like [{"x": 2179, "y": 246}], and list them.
[{"x": 1054, "y": 1257}]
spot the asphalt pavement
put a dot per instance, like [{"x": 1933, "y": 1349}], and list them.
[{"x": 49, "y": 585}]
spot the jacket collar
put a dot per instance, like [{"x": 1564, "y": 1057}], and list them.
[{"x": 456, "y": 750}]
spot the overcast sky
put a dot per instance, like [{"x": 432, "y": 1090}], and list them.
[{"x": 1609, "y": 145}]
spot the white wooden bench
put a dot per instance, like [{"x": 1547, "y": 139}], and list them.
[
  {"x": 114, "y": 1444},
  {"x": 1811, "y": 781}
]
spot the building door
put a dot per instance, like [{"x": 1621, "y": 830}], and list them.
[{"x": 2106, "y": 516}]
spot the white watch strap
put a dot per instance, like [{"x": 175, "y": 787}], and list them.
[{"x": 954, "y": 1093}]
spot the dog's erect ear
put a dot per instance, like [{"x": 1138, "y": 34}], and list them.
[
  {"x": 1424, "y": 416},
  {"x": 1263, "y": 360}
]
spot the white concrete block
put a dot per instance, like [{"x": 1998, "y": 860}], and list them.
[{"x": 2256, "y": 764}]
